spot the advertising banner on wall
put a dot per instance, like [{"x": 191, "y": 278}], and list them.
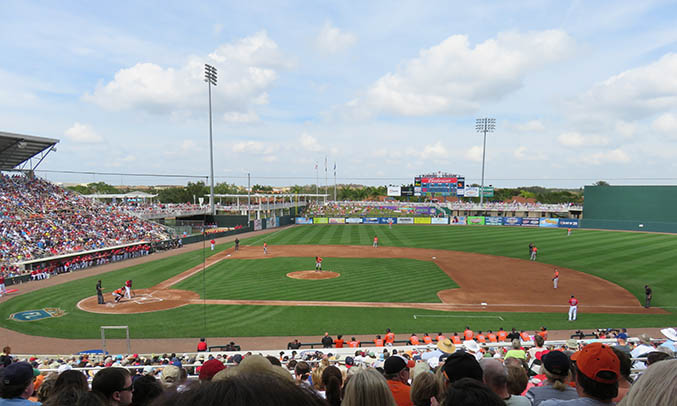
[
  {"x": 421, "y": 220},
  {"x": 354, "y": 220},
  {"x": 320, "y": 220},
  {"x": 370, "y": 220},
  {"x": 439, "y": 220},
  {"x": 512, "y": 221},
  {"x": 417, "y": 191},
  {"x": 472, "y": 191},
  {"x": 548, "y": 222},
  {"x": 337, "y": 220},
  {"x": 258, "y": 225},
  {"x": 457, "y": 220},
  {"x": 493, "y": 221},
  {"x": 386, "y": 220},
  {"x": 476, "y": 220},
  {"x": 407, "y": 190},
  {"x": 304, "y": 220},
  {"x": 568, "y": 223},
  {"x": 394, "y": 191},
  {"x": 530, "y": 221},
  {"x": 405, "y": 220},
  {"x": 273, "y": 222}
]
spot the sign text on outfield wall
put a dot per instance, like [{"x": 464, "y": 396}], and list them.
[{"x": 543, "y": 222}]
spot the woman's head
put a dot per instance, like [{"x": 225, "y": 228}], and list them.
[{"x": 367, "y": 387}]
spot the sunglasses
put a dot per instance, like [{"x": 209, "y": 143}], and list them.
[{"x": 129, "y": 388}]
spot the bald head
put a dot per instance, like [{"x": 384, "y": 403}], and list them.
[{"x": 494, "y": 374}]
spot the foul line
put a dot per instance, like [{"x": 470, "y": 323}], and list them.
[{"x": 416, "y": 316}]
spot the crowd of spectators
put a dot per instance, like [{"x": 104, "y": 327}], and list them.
[
  {"x": 370, "y": 209},
  {"x": 156, "y": 209},
  {"x": 514, "y": 206},
  {"x": 440, "y": 373},
  {"x": 40, "y": 219}
]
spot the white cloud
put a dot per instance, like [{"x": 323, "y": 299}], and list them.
[
  {"x": 309, "y": 143},
  {"x": 82, "y": 133},
  {"x": 635, "y": 93},
  {"x": 666, "y": 123},
  {"x": 246, "y": 68},
  {"x": 625, "y": 129},
  {"x": 452, "y": 77},
  {"x": 474, "y": 153},
  {"x": 253, "y": 147},
  {"x": 576, "y": 139},
  {"x": 332, "y": 40},
  {"x": 240, "y": 118},
  {"x": 530, "y": 126},
  {"x": 612, "y": 156},
  {"x": 523, "y": 153}
]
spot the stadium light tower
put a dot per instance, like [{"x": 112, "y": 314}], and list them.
[
  {"x": 210, "y": 78},
  {"x": 484, "y": 125}
]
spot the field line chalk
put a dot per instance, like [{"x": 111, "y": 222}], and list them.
[{"x": 416, "y": 316}]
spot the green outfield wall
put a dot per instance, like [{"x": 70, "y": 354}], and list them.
[{"x": 637, "y": 208}]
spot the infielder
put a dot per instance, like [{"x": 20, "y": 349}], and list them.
[
  {"x": 534, "y": 250},
  {"x": 318, "y": 264},
  {"x": 265, "y": 248},
  {"x": 375, "y": 244},
  {"x": 555, "y": 279},
  {"x": 212, "y": 242},
  {"x": 573, "y": 308},
  {"x": 568, "y": 232},
  {"x": 3, "y": 290}
]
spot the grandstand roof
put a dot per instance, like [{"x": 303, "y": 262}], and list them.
[{"x": 18, "y": 149}]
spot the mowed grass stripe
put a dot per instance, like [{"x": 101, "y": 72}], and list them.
[{"x": 362, "y": 279}]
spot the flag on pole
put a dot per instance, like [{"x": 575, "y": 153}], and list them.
[
  {"x": 334, "y": 168},
  {"x": 315, "y": 165},
  {"x": 325, "y": 164}
]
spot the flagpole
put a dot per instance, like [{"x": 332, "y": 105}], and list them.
[
  {"x": 334, "y": 180},
  {"x": 326, "y": 182},
  {"x": 317, "y": 181}
]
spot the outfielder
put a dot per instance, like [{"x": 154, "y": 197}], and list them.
[
  {"x": 375, "y": 244},
  {"x": 534, "y": 250},
  {"x": 555, "y": 279},
  {"x": 318, "y": 264},
  {"x": 573, "y": 308}
]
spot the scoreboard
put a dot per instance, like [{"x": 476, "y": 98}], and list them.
[{"x": 439, "y": 186}]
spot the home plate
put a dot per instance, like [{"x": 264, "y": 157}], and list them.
[
  {"x": 483, "y": 303},
  {"x": 434, "y": 257},
  {"x": 228, "y": 255}
]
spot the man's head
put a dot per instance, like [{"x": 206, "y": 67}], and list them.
[
  {"x": 461, "y": 365},
  {"x": 495, "y": 376},
  {"x": 115, "y": 385},
  {"x": 17, "y": 380},
  {"x": 396, "y": 368},
  {"x": 597, "y": 371},
  {"x": 210, "y": 368}
]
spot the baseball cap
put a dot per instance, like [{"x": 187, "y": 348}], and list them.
[
  {"x": 462, "y": 365},
  {"x": 446, "y": 346},
  {"x": 210, "y": 368},
  {"x": 644, "y": 338},
  {"x": 596, "y": 358},
  {"x": 171, "y": 374},
  {"x": 556, "y": 362},
  {"x": 350, "y": 361},
  {"x": 572, "y": 344},
  {"x": 622, "y": 335},
  {"x": 18, "y": 373},
  {"x": 396, "y": 363}
]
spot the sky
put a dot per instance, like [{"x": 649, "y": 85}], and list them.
[{"x": 581, "y": 91}]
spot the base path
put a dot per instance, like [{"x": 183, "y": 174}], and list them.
[{"x": 486, "y": 283}]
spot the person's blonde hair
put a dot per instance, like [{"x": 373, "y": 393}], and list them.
[
  {"x": 658, "y": 386},
  {"x": 368, "y": 388},
  {"x": 425, "y": 386},
  {"x": 557, "y": 382}
]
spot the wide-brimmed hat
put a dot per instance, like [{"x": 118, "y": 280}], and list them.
[
  {"x": 471, "y": 345},
  {"x": 446, "y": 346}
]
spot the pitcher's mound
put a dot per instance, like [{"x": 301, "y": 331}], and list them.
[{"x": 314, "y": 275}]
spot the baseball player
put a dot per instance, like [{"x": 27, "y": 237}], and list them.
[
  {"x": 212, "y": 242},
  {"x": 568, "y": 232},
  {"x": 3, "y": 290},
  {"x": 375, "y": 244},
  {"x": 118, "y": 294},
  {"x": 647, "y": 296},
  {"x": 99, "y": 293},
  {"x": 573, "y": 308},
  {"x": 531, "y": 248},
  {"x": 265, "y": 248},
  {"x": 534, "y": 250},
  {"x": 318, "y": 264},
  {"x": 237, "y": 244},
  {"x": 390, "y": 224},
  {"x": 555, "y": 279},
  {"x": 128, "y": 289}
]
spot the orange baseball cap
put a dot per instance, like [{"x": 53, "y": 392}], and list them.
[{"x": 595, "y": 358}]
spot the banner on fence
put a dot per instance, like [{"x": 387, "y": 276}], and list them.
[
  {"x": 457, "y": 220},
  {"x": 548, "y": 222},
  {"x": 568, "y": 223},
  {"x": 421, "y": 220},
  {"x": 337, "y": 220},
  {"x": 370, "y": 220},
  {"x": 472, "y": 191},
  {"x": 439, "y": 220},
  {"x": 304, "y": 220},
  {"x": 387, "y": 220},
  {"x": 354, "y": 220},
  {"x": 512, "y": 221},
  {"x": 394, "y": 191},
  {"x": 258, "y": 225},
  {"x": 321, "y": 220},
  {"x": 493, "y": 221},
  {"x": 405, "y": 220},
  {"x": 272, "y": 222},
  {"x": 530, "y": 221},
  {"x": 476, "y": 220}
]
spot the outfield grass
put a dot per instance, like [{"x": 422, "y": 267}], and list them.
[
  {"x": 628, "y": 259},
  {"x": 361, "y": 280}
]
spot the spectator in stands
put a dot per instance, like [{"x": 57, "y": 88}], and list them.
[
  {"x": 209, "y": 369},
  {"x": 468, "y": 391},
  {"x": 302, "y": 372},
  {"x": 367, "y": 387},
  {"x": 16, "y": 384},
  {"x": 495, "y": 376},
  {"x": 516, "y": 350},
  {"x": 656, "y": 387},
  {"x": 625, "y": 380},
  {"x": 332, "y": 381},
  {"x": 461, "y": 365},
  {"x": 68, "y": 388},
  {"x": 6, "y": 356},
  {"x": 517, "y": 378},
  {"x": 425, "y": 387},
  {"x": 327, "y": 341},
  {"x": 539, "y": 342},
  {"x": 555, "y": 367},
  {"x": 146, "y": 389},
  {"x": 396, "y": 371},
  {"x": 171, "y": 375},
  {"x": 202, "y": 345},
  {"x": 645, "y": 346},
  {"x": 623, "y": 344},
  {"x": 444, "y": 348},
  {"x": 597, "y": 373},
  {"x": 294, "y": 345},
  {"x": 114, "y": 385}
]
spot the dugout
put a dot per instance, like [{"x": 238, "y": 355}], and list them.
[{"x": 636, "y": 208}]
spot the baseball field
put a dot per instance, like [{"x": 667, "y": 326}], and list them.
[{"x": 420, "y": 279}]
